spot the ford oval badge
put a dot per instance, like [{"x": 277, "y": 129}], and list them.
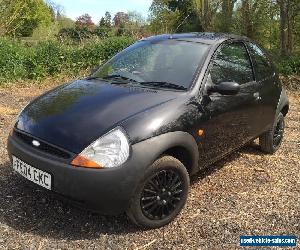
[{"x": 36, "y": 143}]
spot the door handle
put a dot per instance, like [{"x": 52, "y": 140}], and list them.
[{"x": 257, "y": 96}]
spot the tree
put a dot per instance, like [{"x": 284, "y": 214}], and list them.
[
  {"x": 188, "y": 18},
  {"x": 135, "y": 25},
  {"x": 104, "y": 27},
  {"x": 105, "y": 22},
  {"x": 65, "y": 22},
  {"x": 107, "y": 19},
  {"x": 289, "y": 9},
  {"x": 102, "y": 23},
  {"x": 84, "y": 29},
  {"x": 207, "y": 12},
  {"x": 56, "y": 9},
  {"x": 120, "y": 19},
  {"x": 21, "y": 17},
  {"x": 162, "y": 20},
  {"x": 85, "y": 21},
  {"x": 273, "y": 23},
  {"x": 173, "y": 16},
  {"x": 226, "y": 15}
]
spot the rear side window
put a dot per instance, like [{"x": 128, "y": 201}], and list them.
[
  {"x": 262, "y": 65},
  {"x": 231, "y": 64}
]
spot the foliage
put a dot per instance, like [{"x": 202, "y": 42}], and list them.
[
  {"x": 85, "y": 21},
  {"x": 120, "y": 19},
  {"x": 76, "y": 34},
  {"x": 273, "y": 23},
  {"x": 52, "y": 58},
  {"x": 104, "y": 28},
  {"x": 52, "y": 43},
  {"x": 21, "y": 17},
  {"x": 123, "y": 24},
  {"x": 51, "y": 31},
  {"x": 162, "y": 19},
  {"x": 65, "y": 22},
  {"x": 12, "y": 60},
  {"x": 290, "y": 66},
  {"x": 134, "y": 26},
  {"x": 209, "y": 14}
]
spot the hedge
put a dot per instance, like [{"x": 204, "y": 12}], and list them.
[
  {"x": 18, "y": 61},
  {"x": 290, "y": 66},
  {"x": 21, "y": 62}
]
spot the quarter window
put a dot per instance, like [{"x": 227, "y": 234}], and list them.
[
  {"x": 231, "y": 64},
  {"x": 262, "y": 66}
]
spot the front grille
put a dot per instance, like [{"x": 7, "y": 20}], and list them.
[{"x": 44, "y": 147}]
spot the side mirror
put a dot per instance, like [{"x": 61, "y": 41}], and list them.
[{"x": 226, "y": 88}]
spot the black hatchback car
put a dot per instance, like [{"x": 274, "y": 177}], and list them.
[{"x": 127, "y": 138}]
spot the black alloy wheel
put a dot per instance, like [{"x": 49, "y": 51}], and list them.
[
  {"x": 278, "y": 133},
  {"x": 270, "y": 140},
  {"x": 161, "y": 194}
]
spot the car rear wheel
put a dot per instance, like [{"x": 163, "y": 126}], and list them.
[
  {"x": 270, "y": 141},
  {"x": 161, "y": 194}
]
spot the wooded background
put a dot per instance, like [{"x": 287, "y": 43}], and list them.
[{"x": 37, "y": 39}]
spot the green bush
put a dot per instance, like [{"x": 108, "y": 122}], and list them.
[
  {"x": 51, "y": 58},
  {"x": 290, "y": 66},
  {"x": 12, "y": 57}
]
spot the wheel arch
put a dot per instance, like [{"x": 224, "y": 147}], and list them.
[
  {"x": 183, "y": 155},
  {"x": 181, "y": 145},
  {"x": 285, "y": 110},
  {"x": 283, "y": 104}
]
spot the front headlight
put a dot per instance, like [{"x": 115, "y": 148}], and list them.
[{"x": 110, "y": 150}]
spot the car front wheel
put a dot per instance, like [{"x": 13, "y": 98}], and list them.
[
  {"x": 161, "y": 194},
  {"x": 271, "y": 140}
]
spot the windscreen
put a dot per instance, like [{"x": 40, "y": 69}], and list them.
[{"x": 169, "y": 61}]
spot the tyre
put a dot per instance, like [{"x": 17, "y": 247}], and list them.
[
  {"x": 161, "y": 194},
  {"x": 270, "y": 140}
]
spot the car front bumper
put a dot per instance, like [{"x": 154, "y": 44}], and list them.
[{"x": 106, "y": 190}]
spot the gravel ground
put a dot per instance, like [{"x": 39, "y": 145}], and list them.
[{"x": 248, "y": 193}]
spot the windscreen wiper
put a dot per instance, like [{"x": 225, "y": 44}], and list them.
[
  {"x": 95, "y": 77},
  {"x": 163, "y": 85},
  {"x": 112, "y": 77},
  {"x": 116, "y": 76}
]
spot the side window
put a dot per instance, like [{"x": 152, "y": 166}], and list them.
[
  {"x": 262, "y": 65},
  {"x": 231, "y": 64}
]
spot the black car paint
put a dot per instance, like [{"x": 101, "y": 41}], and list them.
[
  {"x": 108, "y": 190},
  {"x": 75, "y": 115},
  {"x": 156, "y": 120}
]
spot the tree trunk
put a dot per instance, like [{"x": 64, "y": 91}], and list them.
[
  {"x": 227, "y": 10},
  {"x": 246, "y": 15},
  {"x": 293, "y": 11},
  {"x": 283, "y": 5},
  {"x": 289, "y": 35},
  {"x": 205, "y": 15}
]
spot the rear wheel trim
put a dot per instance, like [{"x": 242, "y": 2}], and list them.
[{"x": 161, "y": 194}]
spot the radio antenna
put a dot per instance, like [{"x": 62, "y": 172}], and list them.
[{"x": 182, "y": 23}]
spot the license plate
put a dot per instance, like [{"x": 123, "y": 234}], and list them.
[{"x": 31, "y": 173}]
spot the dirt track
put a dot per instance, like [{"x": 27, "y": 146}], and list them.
[{"x": 248, "y": 193}]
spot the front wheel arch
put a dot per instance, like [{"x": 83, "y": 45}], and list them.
[
  {"x": 178, "y": 144},
  {"x": 285, "y": 110}
]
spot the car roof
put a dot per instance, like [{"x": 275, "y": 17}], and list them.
[{"x": 200, "y": 37}]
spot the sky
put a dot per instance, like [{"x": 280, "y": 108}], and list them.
[{"x": 97, "y": 8}]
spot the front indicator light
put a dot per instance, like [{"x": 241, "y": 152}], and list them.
[{"x": 81, "y": 161}]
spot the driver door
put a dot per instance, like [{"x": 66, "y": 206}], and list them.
[{"x": 230, "y": 120}]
